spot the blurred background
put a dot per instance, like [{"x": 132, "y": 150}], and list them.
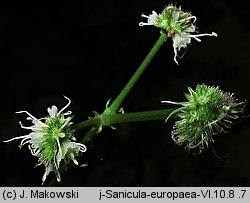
[{"x": 87, "y": 51}]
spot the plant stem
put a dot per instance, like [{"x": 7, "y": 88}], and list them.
[
  {"x": 110, "y": 119},
  {"x": 95, "y": 121},
  {"x": 131, "y": 83}
]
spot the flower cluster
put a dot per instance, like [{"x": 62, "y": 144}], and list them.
[
  {"x": 208, "y": 111},
  {"x": 178, "y": 24},
  {"x": 52, "y": 140}
]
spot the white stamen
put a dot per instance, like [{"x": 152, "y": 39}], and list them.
[
  {"x": 69, "y": 102},
  {"x": 59, "y": 147},
  {"x": 67, "y": 113},
  {"x": 142, "y": 15},
  {"x": 205, "y": 34},
  {"x": 83, "y": 148},
  {"x": 171, "y": 102},
  {"x": 175, "y": 56},
  {"x": 83, "y": 165},
  {"x": 188, "y": 18},
  {"x": 75, "y": 162},
  {"x": 173, "y": 112},
  {"x": 30, "y": 115},
  {"x": 25, "y": 141},
  {"x": 28, "y": 128},
  {"x": 193, "y": 17},
  {"x": 16, "y": 138},
  {"x": 142, "y": 24}
]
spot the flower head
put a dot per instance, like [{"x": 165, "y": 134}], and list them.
[
  {"x": 208, "y": 111},
  {"x": 179, "y": 25},
  {"x": 51, "y": 140}
]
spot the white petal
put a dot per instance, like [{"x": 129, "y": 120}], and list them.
[
  {"x": 152, "y": 19},
  {"x": 38, "y": 124},
  {"x": 180, "y": 41},
  {"x": 36, "y": 135},
  {"x": 52, "y": 111}
]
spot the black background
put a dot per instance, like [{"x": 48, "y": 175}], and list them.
[{"x": 87, "y": 51}]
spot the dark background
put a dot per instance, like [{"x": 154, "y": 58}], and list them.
[{"x": 87, "y": 51}]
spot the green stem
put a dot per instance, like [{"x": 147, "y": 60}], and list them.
[
  {"x": 110, "y": 119},
  {"x": 96, "y": 121},
  {"x": 131, "y": 83},
  {"x": 89, "y": 136}
]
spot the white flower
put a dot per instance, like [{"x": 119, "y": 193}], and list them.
[
  {"x": 51, "y": 140},
  {"x": 178, "y": 25},
  {"x": 182, "y": 40},
  {"x": 152, "y": 19}
]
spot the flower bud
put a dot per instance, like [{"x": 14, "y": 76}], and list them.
[{"x": 208, "y": 111}]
